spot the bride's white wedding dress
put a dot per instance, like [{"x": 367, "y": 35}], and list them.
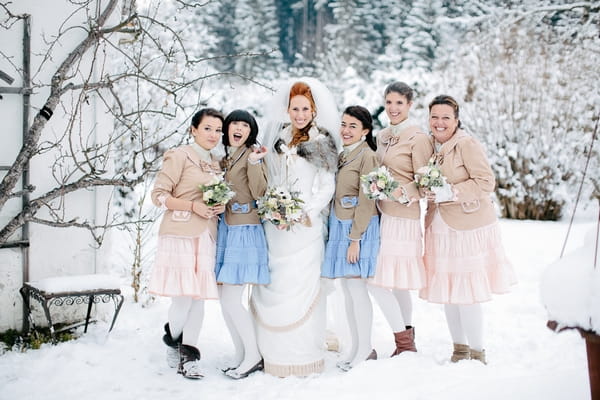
[{"x": 290, "y": 311}]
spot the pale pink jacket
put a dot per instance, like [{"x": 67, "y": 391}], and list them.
[
  {"x": 403, "y": 154},
  {"x": 463, "y": 162},
  {"x": 181, "y": 173}
]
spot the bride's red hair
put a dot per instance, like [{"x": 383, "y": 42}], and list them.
[{"x": 302, "y": 89}]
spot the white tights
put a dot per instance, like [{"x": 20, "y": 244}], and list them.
[
  {"x": 241, "y": 327},
  {"x": 465, "y": 323},
  {"x": 186, "y": 316},
  {"x": 360, "y": 318},
  {"x": 396, "y": 306}
]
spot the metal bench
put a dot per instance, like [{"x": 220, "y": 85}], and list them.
[{"x": 70, "y": 290}]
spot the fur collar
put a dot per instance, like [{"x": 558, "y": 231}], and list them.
[{"x": 320, "y": 150}]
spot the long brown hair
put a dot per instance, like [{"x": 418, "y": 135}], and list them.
[{"x": 301, "y": 89}]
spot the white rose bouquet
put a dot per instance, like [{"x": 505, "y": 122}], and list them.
[
  {"x": 281, "y": 207},
  {"x": 379, "y": 184},
  {"x": 216, "y": 192}
]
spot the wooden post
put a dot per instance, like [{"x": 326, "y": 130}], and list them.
[{"x": 592, "y": 343}]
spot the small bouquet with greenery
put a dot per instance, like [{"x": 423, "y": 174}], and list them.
[
  {"x": 279, "y": 206},
  {"x": 379, "y": 184},
  {"x": 429, "y": 176},
  {"x": 216, "y": 192}
]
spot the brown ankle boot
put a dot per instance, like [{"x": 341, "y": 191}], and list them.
[
  {"x": 461, "y": 352},
  {"x": 478, "y": 355},
  {"x": 405, "y": 341}
]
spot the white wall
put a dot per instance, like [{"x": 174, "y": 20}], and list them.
[{"x": 53, "y": 251}]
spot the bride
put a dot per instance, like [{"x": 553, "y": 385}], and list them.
[{"x": 290, "y": 312}]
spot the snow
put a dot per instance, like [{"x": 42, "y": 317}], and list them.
[
  {"x": 526, "y": 359},
  {"x": 76, "y": 283},
  {"x": 571, "y": 288}
]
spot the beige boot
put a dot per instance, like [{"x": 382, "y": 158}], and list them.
[
  {"x": 405, "y": 341},
  {"x": 478, "y": 355},
  {"x": 461, "y": 352}
]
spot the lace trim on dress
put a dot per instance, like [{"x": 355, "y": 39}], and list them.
[{"x": 283, "y": 371}]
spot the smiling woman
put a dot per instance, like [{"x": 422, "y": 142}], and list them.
[
  {"x": 184, "y": 264},
  {"x": 290, "y": 311},
  {"x": 402, "y": 148}
]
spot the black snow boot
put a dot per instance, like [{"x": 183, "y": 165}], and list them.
[
  {"x": 189, "y": 365},
  {"x": 173, "y": 347}
]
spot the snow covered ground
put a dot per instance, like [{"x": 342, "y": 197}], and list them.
[{"x": 526, "y": 360}]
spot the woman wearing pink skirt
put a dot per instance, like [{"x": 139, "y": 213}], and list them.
[
  {"x": 185, "y": 257},
  {"x": 402, "y": 148},
  {"x": 464, "y": 259}
]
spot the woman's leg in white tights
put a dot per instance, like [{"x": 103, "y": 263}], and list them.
[
  {"x": 178, "y": 314},
  {"x": 185, "y": 316},
  {"x": 465, "y": 323},
  {"x": 193, "y": 324},
  {"x": 238, "y": 345},
  {"x": 455, "y": 327},
  {"x": 471, "y": 317},
  {"x": 231, "y": 301},
  {"x": 389, "y": 306},
  {"x": 405, "y": 302},
  {"x": 363, "y": 316},
  {"x": 352, "y": 323}
]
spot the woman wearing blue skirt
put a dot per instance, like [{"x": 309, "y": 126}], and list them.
[
  {"x": 241, "y": 244},
  {"x": 351, "y": 251}
]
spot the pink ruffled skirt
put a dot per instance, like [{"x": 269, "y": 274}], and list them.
[
  {"x": 400, "y": 258},
  {"x": 465, "y": 267},
  {"x": 185, "y": 267}
]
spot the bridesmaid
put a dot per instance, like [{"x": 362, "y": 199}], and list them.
[
  {"x": 242, "y": 247},
  {"x": 351, "y": 251},
  {"x": 464, "y": 258},
  {"x": 185, "y": 257},
  {"x": 403, "y": 148}
]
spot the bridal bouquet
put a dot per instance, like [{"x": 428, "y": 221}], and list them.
[
  {"x": 430, "y": 177},
  {"x": 216, "y": 192},
  {"x": 280, "y": 206},
  {"x": 378, "y": 184}
]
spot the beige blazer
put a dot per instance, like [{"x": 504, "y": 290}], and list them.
[
  {"x": 181, "y": 173},
  {"x": 403, "y": 154},
  {"x": 348, "y": 190},
  {"x": 463, "y": 162},
  {"x": 249, "y": 182}
]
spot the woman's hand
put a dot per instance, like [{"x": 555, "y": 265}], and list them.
[
  {"x": 198, "y": 207},
  {"x": 258, "y": 152},
  {"x": 353, "y": 253},
  {"x": 281, "y": 227},
  {"x": 220, "y": 209}
]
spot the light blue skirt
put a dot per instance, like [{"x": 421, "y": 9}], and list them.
[
  {"x": 335, "y": 264},
  {"x": 241, "y": 254}
]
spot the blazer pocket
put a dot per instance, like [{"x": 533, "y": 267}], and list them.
[
  {"x": 181, "y": 216},
  {"x": 470, "y": 207}
]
